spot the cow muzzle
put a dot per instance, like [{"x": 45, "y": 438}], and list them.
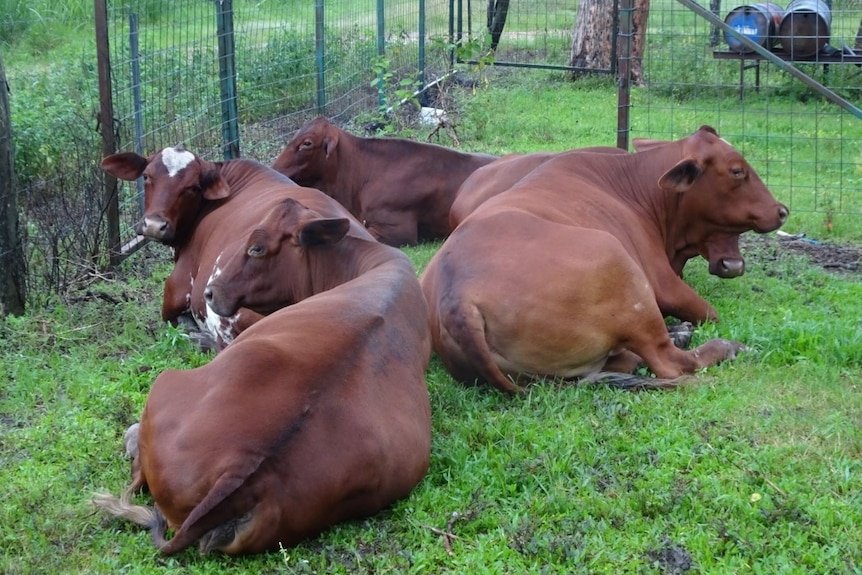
[
  {"x": 155, "y": 227},
  {"x": 218, "y": 301},
  {"x": 727, "y": 267},
  {"x": 771, "y": 224}
]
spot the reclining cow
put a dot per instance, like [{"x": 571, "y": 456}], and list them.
[
  {"x": 316, "y": 414},
  {"x": 400, "y": 189},
  {"x": 720, "y": 250},
  {"x": 197, "y": 207},
  {"x": 556, "y": 277}
]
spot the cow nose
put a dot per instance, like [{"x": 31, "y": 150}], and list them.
[
  {"x": 783, "y": 212},
  {"x": 732, "y": 267},
  {"x": 208, "y": 294},
  {"x": 153, "y": 226}
]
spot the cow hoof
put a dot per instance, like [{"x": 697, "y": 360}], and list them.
[
  {"x": 732, "y": 348},
  {"x": 735, "y": 348},
  {"x": 130, "y": 440},
  {"x": 680, "y": 334}
]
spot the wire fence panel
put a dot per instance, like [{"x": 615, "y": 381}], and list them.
[
  {"x": 535, "y": 33},
  {"x": 806, "y": 143},
  {"x": 238, "y": 77},
  {"x": 292, "y": 61}
]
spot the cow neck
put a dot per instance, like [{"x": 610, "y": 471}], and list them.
[
  {"x": 657, "y": 206},
  {"x": 347, "y": 260},
  {"x": 344, "y": 183}
]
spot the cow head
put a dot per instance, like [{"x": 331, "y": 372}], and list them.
[
  {"x": 305, "y": 157},
  {"x": 270, "y": 268},
  {"x": 176, "y": 185},
  {"x": 718, "y": 185},
  {"x": 716, "y": 195}
]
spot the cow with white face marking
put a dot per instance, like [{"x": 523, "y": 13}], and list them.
[{"x": 197, "y": 207}]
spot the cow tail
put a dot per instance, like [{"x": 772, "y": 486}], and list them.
[
  {"x": 631, "y": 381},
  {"x": 466, "y": 329},
  {"x": 122, "y": 507}
]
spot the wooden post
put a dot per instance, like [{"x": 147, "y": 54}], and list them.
[
  {"x": 106, "y": 128},
  {"x": 12, "y": 280}
]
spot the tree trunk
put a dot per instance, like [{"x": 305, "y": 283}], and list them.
[
  {"x": 11, "y": 255},
  {"x": 595, "y": 28},
  {"x": 639, "y": 29},
  {"x": 497, "y": 12}
]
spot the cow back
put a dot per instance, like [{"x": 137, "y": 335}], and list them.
[{"x": 319, "y": 412}]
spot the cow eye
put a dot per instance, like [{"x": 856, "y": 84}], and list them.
[
  {"x": 255, "y": 251},
  {"x": 306, "y": 144},
  {"x": 737, "y": 173}
]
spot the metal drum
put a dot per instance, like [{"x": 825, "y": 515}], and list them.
[
  {"x": 757, "y": 22},
  {"x": 805, "y": 28}
]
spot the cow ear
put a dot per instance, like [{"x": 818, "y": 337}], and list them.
[
  {"x": 641, "y": 144},
  {"x": 126, "y": 166},
  {"x": 213, "y": 185},
  {"x": 329, "y": 144},
  {"x": 322, "y": 231},
  {"x": 680, "y": 177}
]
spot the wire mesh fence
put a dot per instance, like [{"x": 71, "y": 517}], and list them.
[
  {"x": 227, "y": 78},
  {"x": 793, "y": 113}
]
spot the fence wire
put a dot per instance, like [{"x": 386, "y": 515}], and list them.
[{"x": 347, "y": 59}]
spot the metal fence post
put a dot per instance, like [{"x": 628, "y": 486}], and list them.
[
  {"x": 227, "y": 78},
  {"x": 319, "y": 50},
  {"x": 422, "y": 43},
  {"x": 136, "y": 99},
  {"x": 381, "y": 51},
  {"x": 624, "y": 58}
]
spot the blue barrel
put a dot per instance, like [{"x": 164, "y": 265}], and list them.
[
  {"x": 805, "y": 28},
  {"x": 757, "y": 22}
]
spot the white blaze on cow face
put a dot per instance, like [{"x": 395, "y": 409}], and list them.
[{"x": 175, "y": 159}]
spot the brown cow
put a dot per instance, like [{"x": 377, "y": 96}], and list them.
[
  {"x": 401, "y": 190},
  {"x": 316, "y": 414},
  {"x": 197, "y": 207},
  {"x": 534, "y": 283},
  {"x": 720, "y": 250}
]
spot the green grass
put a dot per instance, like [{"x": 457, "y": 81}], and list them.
[{"x": 754, "y": 468}]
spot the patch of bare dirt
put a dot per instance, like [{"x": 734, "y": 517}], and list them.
[{"x": 832, "y": 257}]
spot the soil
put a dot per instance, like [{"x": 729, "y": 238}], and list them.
[{"x": 833, "y": 257}]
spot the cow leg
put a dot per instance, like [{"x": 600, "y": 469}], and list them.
[
  {"x": 676, "y": 298},
  {"x": 395, "y": 229},
  {"x": 680, "y": 334},
  {"x": 625, "y": 362},
  {"x": 130, "y": 440},
  {"x": 175, "y": 299},
  {"x": 668, "y": 361}
]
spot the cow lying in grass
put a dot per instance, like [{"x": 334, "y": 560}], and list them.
[
  {"x": 559, "y": 277},
  {"x": 400, "y": 189},
  {"x": 197, "y": 207},
  {"x": 316, "y": 414}
]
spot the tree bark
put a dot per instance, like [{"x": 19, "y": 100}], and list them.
[
  {"x": 639, "y": 29},
  {"x": 12, "y": 294},
  {"x": 595, "y": 29}
]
